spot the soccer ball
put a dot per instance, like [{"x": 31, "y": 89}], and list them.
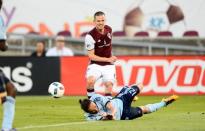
[
  {"x": 154, "y": 16},
  {"x": 56, "y": 89}
]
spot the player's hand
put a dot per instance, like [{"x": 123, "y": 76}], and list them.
[
  {"x": 104, "y": 114},
  {"x": 112, "y": 59},
  {"x": 110, "y": 117}
]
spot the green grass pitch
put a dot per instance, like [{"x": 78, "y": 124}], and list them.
[{"x": 44, "y": 113}]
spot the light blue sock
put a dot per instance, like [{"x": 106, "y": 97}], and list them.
[
  {"x": 8, "y": 112},
  {"x": 154, "y": 107}
]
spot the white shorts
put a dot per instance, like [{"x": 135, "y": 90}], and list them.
[{"x": 107, "y": 72}]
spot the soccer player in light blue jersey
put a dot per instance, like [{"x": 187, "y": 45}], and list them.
[
  {"x": 99, "y": 107},
  {"x": 7, "y": 89}
]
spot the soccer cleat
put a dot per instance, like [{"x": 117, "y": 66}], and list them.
[{"x": 170, "y": 99}]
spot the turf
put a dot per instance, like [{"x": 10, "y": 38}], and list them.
[{"x": 44, "y": 113}]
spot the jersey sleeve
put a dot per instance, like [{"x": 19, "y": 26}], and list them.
[
  {"x": 2, "y": 30},
  {"x": 89, "y": 42},
  {"x": 100, "y": 99}
]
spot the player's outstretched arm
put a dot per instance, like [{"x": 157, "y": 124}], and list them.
[{"x": 113, "y": 110}]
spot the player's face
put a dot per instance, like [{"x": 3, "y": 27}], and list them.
[
  {"x": 99, "y": 22},
  {"x": 93, "y": 108}
]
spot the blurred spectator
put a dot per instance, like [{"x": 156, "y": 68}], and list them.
[
  {"x": 40, "y": 50},
  {"x": 33, "y": 33},
  {"x": 60, "y": 49}
]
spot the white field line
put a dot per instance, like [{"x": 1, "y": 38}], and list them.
[{"x": 54, "y": 125}]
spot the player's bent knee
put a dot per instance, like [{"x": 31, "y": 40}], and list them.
[
  {"x": 12, "y": 93},
  {"x": 11, "y": 90},
  {"x": 2, "y": 97},
  {"x": 108, "y": 84},
  {"x": 90, "y": 82},
  {"x": 136, "y": 88},
  {"x": 140, "y": 86},
  {"x": 2, "y": 100}
]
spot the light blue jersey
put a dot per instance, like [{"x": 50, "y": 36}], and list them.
[
  {"x": 101, "y": 102},
  {"x": 2, "y": 29},
  {"x": 118, "y": 104}
]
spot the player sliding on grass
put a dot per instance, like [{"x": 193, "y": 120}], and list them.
[{"x": 99, "y": 107}]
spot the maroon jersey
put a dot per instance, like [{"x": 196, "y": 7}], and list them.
[{"x": 103, "y": 44}]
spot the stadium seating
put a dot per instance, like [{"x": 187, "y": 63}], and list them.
[
  {"x": 141, "y": 34},
  {"x": 165, "y": 34},
  {"x": 119, "y": 33},
  {"x": 65, "y": 33},
  {"x": 33, "y": 33},
  {"x": 191, "y": 33}
]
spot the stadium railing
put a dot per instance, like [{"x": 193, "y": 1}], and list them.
[{"x": 24, "y": 44}]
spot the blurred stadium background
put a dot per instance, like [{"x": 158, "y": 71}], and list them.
[{"x": 160, "y": 43}]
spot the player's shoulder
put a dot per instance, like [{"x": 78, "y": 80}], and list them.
[
  {"x": 108, "y": 27},
  {"x": 89, "y": 38},
  {"x": 92, "y": 31},
  {"x": 91, "y": 34},
  {"x": 96, "y": 95}
]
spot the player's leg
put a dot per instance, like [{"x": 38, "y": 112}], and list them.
[
  {"x": 154, "y": 107},
  {"x": 140, "y": 86},
  {"x": 92, "y": 75},
  {"x": 90, "y": 86},
  {"x": 135, "y": 112},
  {"x": 127, "y": 95},
  {"x": 132, "y": 91},
  {"x": 9, "y": 107},
  {"x": 108, "y": 88},
  {"x": 109, "y": 78},
  {"x": 8, "y": 102}
]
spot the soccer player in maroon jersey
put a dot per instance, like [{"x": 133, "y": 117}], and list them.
[
  {"x": 7, "y": 89},
  {"x": 98, "y": 43}
]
